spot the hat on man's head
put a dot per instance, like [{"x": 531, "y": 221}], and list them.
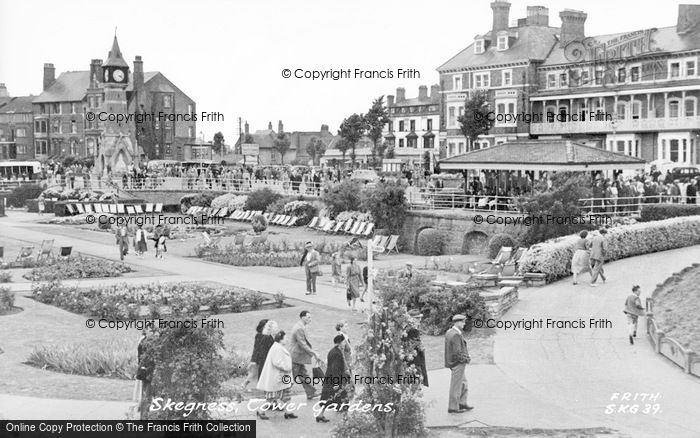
[
  {"x": 459, "y": 317},
  {"x": 409, "y": 263},
  {"x": 308, "y": 245}
]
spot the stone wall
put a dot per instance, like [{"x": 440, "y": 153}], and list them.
[{"x": 463, "y": 234}]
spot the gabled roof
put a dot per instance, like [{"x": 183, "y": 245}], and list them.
[
  {"x": 533, "y": 44},
  {"x": 19, "y": 104},
  {"x": 115, "y": 58},
  {"x": 71, "y": 86},
  {"x": 666, "y": 39},
  {"x": 542, "y": 153}
]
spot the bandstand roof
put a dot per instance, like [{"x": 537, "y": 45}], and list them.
[{"x": 545, "y": 155}]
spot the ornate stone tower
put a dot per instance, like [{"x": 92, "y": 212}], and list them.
[{"x": 116, "y": 149}]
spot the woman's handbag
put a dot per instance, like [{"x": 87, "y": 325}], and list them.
[{"x": 317, "y": 371}]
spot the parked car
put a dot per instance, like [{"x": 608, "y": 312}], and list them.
[{"x": 682, "y": 173}]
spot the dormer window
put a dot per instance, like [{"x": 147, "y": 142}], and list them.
[
  {"x": 502, "y": 42},
  {"x": 479, "y": 46}
]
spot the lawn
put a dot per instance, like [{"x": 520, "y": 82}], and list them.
[{"x": 677, "y": 307}]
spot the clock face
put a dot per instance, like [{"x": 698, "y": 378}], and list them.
[{"x": 118, "y": 75}]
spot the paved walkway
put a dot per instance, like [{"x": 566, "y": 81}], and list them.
[{"x": 543, "y": 378}]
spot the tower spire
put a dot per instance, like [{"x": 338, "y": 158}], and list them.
[{"x": 115, "y": 58}]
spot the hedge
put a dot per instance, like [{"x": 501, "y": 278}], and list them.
[
  {"x": 431, "y": 242},
  {"x": 498, "y": 241},
  {"x": 657, "y": 212},
  {"x": 553, "y": 257}
]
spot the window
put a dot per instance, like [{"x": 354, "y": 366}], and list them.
[
  {"x": 502, "y": 42},
  {"x": 412, "y": 123},
  {"x": 636, "y": 109},
  {"x": 621, "y": 110},
  {"x": 401, "y": 142},
  {"x": 634, "y": 74},
  {"x": 56, "y": 108},
  {"x": 481, "y": 80},
  {"x": 507, "y": 78},
  {"x": 599, "y": 76},
  {"x": 457, "y": 82},
  {"x": 673, "y": 156},
  {"x": 451, "y": 148},
  {"x": 673, "y": 108},
  {"x": 73, "y": 106},
  {"x": 690, "y": 68},
  {"x": 563, "y": 82},
  {"x": 461, "y": 147},
  {"x": 585, "y": 80},
  {"x": 41, "y": 147},
  {"x": 190, "y": 131},
  {"x": 56, "y": 127},
  {"x": 42, "y": 108},
  {"x": 20, "y": 132},
  {"x": 90, "y": 146},
  {"x": 40, "y": 126},
  {"x": 479, "y": 46},
  {"x": 690, "y": 107},
  {"x": 429, "y": 125},
  {"x": 505, "y": 106},
  {"x": 401, "y": 126},
  {"x": 21, "y": 149},
  {"x": 621, "y": 74},
  {"x": 167, "y": 101},
  {"x": 190, "y": 109},
  {"x": 551, "y": 80},
  {"x": 428, "y": 142},
  {"x": 674, "y": 70},
  {"x": 451, "y": 119},
  {"x": 620, "y": 146}
]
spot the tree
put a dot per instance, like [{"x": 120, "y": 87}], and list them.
[
  {"x": 342, "y": 145},
  {"x": 315, "y": 148},
  {"x": 281, "y": 144},
  {"x": 351, "y": 130},
  {"x": 218, "y": 142},
  {"x": 343, "y": 196},
  {"x": 561, "y": 201},
  {"x": 473, "y": 122},
  {"x": 387, "y": 203},
  {"x": 375, "y": 119}
]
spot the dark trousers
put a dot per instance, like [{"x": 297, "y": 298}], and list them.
[
  {"x": 146, "y": 396},
  {"x": 299, "y": 369}
]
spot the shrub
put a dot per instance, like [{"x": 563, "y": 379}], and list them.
[
  {"x": 345, "y": 216},
  {"x": 5, "y": 277},
  {"x": 464, "y": 300},
  {"x": 7, "y": 298},
  {"x": 259, "y": 223},
  {"x": 188, "y": 366},
  {"x": 20, "y": 194},
  {"x": 553, "y": 257},
  {"x": 657, "y": 212},
  {"x": 236, "y": 364},
  {"x": 259, "y": 200},
  {"x": 498, "y": 241},
  {"x": 115, "y": 359},
  {"x": 342, "y": 196},
  {"x": 77, "y": 267},
  {"x": 387, "y": 203},
  {"x": 279, "y": 299},
  {"x": 229, "y": 201},
  {"x": 277, "y": 207},
  {"x": 203, "y": 199},
  {"x": 431, "y": 242},
  {"x": 303, "y": 210}
]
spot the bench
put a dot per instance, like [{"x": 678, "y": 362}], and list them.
[{"x": 531, "y": 278}]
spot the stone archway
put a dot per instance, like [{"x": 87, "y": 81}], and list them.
[
  {"x": 474, "y": 242},
  {"x": 415, "y": 238}
]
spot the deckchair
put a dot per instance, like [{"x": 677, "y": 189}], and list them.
[
  {"x": 313, "y": 222},
  {"x": 159, "y": 208},
  {"x": 292, "y": 222},
  {"x": 81, "y": 209},
  {"x": 391, "y": 244},
  {"x": 46, "y": 250},
  {"x": 71, "y": 209},
  {"x": 348, "y": 226},
  {"x": 368, "y": 229},
  {"x": 138, "y": 208},
  {"x": 65, "y": 252},
  {"x": 328, "y": 226},
  {"x": 358, "y": 231},
  {"x": 120, "y": 209},
  {"x": 130, "y": 209},
  {"x": 24, "y": 253},
  {"x": 89, "y": 209},
  {"x": 337, "y": 227},
  {"x": 113, "y": 208},
  {"x": 149, "y": 208}
]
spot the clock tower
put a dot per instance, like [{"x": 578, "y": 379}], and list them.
[{"x": 116, "y": 149}]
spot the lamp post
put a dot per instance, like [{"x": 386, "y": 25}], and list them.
[{"x": 370, "y": 282}]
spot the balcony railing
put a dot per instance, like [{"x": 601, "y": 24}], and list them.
[
  {"x": 447, "y": 200},
  {"x": 621, "y": 125}
]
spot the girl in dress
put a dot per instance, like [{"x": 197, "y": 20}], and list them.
[
  {"x": 581, "y": 261},
  {"x": 337, "y": 269},
  {"x": 140, "y": 241},
  {"x": 355, "y": 282}
]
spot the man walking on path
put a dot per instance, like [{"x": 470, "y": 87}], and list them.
[
  {"x": 599, "y": 248},
  {"x": 633, "y": 310},
  {"x": 302, "y": 353},
  {"x": 456, "y": 359},
  {"x": 122, "y": 241},
  {"x": 311, "y": 260}
]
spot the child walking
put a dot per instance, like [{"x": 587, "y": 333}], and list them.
[{"x": 633, "y": 310}]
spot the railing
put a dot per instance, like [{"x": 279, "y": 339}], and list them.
[
  {"x": 441, "y": 200},
  {"x": 7, "y": 185},
  {"x": 625, "y": 206},
  {"x": 218, "y": 184},
  {"x": 636, "y": 125}
]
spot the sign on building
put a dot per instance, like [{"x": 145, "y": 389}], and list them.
[{"x": 250, "y": 149}]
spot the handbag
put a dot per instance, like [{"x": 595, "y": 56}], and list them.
[{"x": 317, "y": 371}]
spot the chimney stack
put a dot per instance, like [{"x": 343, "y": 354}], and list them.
[
  {"x": 688, "y": 19},
  {"x": 434, "y": 91},
  {"x": 400, "y": 94},
  {"x": 95, "y": 72},
  {"x": 501, "y": 9},
  {"x": 422, "y": 92},
  {"x": 572, "y": 25},
  {"x": 280, "y": 127},
  {"x": 49, "y": 75},
  {"x": 324, "y": 128},
  {"x": 138, "y": 79},
  {"x": 247, "y": 128},
  {"x": 537, "y": 16},
  {"x": 390, "y": 100},
  {"x": 269, "y": 126},
  {"x": 3, "y": 91}
]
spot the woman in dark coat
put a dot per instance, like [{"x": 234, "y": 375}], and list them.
[
  {"x": 337, "y": 377},
  {"x": 261, "y": 346}
]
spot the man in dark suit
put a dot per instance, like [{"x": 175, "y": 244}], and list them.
[
  {"x": 691, "y": 192},
  {"x": 456, "y": 359},
  {"x": 302, "y": 353}
]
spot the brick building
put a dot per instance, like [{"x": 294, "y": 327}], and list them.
[
  {"x": 16, "y": 126},
  {"x": 61, "y": 128}
]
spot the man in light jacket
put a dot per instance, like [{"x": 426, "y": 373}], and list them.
[
  {"x": 311, "y": 260},
  {"x": 302, "y": 353},
  {"x": 456, "y": 359},
  {"x": 599, "y": 249}
]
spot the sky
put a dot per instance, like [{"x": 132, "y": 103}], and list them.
[{"x": 229, "y": 56}]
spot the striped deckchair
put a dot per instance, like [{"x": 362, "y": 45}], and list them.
[
  {"x": 159, "y": 208},
  {"x": 80, "y": 208},
  {"x": 120, "y": 209},
  {"x": 130, "y": 209},
  {"x": 338, "y": 226}
]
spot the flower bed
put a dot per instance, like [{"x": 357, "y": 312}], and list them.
[
  {"x": 278, "y": 255},
  {"x": 553, "y": 257},
  {"x": 155, "y": 300},
  {"x": 116, "y": 360},
  {"x": 77, "y": 267}
]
